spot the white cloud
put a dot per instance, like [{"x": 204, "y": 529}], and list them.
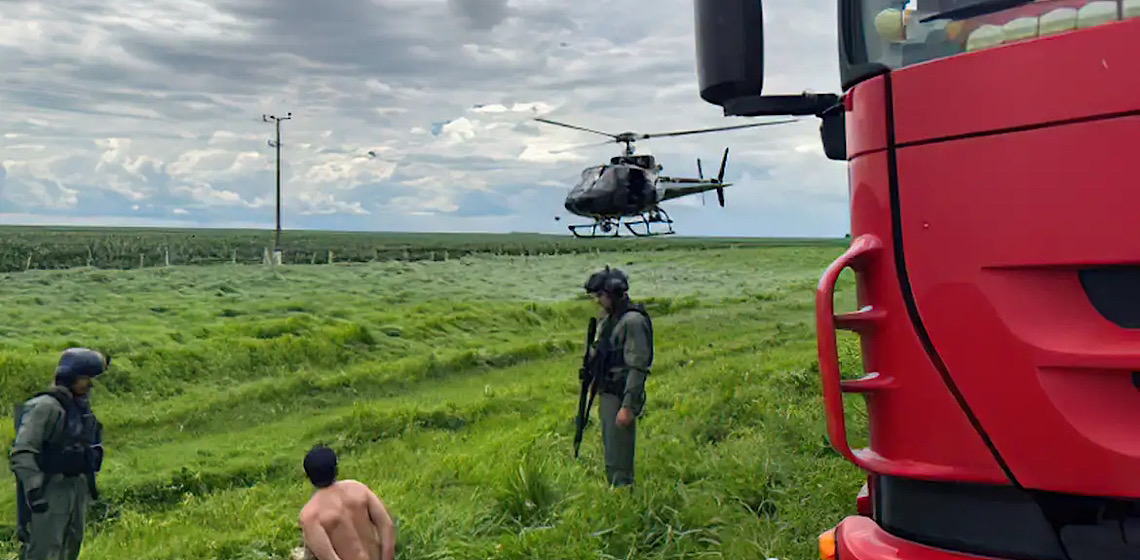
[{"x": 406, "y": 114}]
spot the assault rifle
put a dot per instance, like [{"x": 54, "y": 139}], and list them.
[{"x": 587, "y": 376}]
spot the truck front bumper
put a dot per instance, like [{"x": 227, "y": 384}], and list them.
[{"x": 858, "y": 537}]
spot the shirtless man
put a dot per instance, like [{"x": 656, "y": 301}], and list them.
[{"x": 343, "y": 520}]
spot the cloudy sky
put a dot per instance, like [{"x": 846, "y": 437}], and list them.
[{"x": 149, "y": 112}]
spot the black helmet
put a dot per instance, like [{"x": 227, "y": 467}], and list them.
[
  {"x": 77, "y": 362},
  {"x": 609, "y": 280}
]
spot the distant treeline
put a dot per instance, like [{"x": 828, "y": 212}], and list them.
[{"x": 32, "y": 247}]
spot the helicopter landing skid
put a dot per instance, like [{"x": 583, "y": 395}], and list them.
[
  {"x": 611, "y": 227},
  {"x": 656, "y": 216}
]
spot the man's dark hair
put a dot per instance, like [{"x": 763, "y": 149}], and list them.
[{"x": 320, "y": 466}]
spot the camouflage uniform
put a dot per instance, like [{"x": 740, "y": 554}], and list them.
[
  {"x": 55, "y": 455},
  {"x": 625, "y": 348}
]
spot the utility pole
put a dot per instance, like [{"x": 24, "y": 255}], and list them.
[{"x": 277, "y": 144}]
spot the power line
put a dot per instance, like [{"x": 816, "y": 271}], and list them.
[{"x": 277, "y": 144}]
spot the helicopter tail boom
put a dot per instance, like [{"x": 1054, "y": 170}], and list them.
[
  {"x": 698, "y": 185},
  {"x": 694, "y": 187}
]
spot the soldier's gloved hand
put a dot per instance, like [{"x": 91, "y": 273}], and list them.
[{"x": 37, "y": 501}]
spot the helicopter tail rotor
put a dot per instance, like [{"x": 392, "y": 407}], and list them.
[{"x": 719, "y": 181}]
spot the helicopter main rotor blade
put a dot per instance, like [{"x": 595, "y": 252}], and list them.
[
  {"x": 548, "y": 121},
  {"x": 580, "y": 146},
  {"x": 703, "y": 130}
]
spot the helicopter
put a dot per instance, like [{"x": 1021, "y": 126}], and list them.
[{"x": 629, "y": 189}]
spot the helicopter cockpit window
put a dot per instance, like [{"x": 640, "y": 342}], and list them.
[
  {"x": 589, "y": 176},
  {"x": 611, "y": 176},
  {"x": 591, "y": 173}
]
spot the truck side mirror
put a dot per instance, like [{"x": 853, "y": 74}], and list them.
[{"x": 730, "y": 49}]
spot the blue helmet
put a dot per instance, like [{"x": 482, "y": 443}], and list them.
[{"x": 77, "y": 362}]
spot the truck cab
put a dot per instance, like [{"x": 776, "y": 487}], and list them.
[{"x": 997, "y": 264}]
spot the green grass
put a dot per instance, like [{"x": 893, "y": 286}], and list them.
[
  {"x": 450, "y": 388},
  {"x": 35, "y": 247}
]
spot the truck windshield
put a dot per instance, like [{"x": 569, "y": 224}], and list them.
[{"x": 895, "y": 35}]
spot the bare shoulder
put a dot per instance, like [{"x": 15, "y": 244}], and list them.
[
  {"x": 309, "y": 513},
  {"x": 353, "y": 485},
  {"x": 355, "y": 490}
]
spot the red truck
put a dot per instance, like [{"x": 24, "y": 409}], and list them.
[{"x": 996, "y": 248}]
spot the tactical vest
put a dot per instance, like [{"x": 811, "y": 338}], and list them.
[
  {"x": 610, "y": 358},
  {"x": 80, "y": 450}
]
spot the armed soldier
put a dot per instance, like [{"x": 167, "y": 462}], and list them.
[
  {"x": 621, "y": 357},
  {"x": 56, "y": 453}
]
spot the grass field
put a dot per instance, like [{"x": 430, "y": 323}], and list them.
[
  {"x": 33, "y": 247},
  {"x": 450, "y": 388}
]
